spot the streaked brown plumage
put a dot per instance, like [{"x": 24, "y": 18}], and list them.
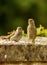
[
  {"x": 31, "y": 30},
  {"x": 17, "y": 36}
]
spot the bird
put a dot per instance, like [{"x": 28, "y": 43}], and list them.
[
  {"x": 15, "y": 35},
  {"x": 18, "y": 35},
  {"x": 31, "y": 30}
]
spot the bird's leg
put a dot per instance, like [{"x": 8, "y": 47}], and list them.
[{"x": 33, "y": 41}]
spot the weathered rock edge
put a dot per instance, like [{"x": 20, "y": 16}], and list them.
[{"x": 13, "y": 53}]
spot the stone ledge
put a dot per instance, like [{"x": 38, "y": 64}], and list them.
[
  {"x": 25, "y": 41},
  {"x": 14, "y": 53},
  {"x": 29, "y": 52}
]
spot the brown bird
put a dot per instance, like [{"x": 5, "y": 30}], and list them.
[
  {"x": 14, "y": 36},
  {"x": 18, "y": 35},
  {"x": 31, "y": 30}
]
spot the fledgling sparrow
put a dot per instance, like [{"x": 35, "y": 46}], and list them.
[
  {"x": 31, "y": 30},
  {"x": 18, "y": 35}
]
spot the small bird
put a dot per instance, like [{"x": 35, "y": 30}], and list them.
[
  {"x": 18, "y": 35},
  {"x": 31, "y": 30},
  {"x": 15, "y": 35}
]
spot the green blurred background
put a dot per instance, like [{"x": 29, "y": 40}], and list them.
[{"x": 15, "y": 13}]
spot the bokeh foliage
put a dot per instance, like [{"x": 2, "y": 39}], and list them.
[{"x": 15, "y": 13}]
